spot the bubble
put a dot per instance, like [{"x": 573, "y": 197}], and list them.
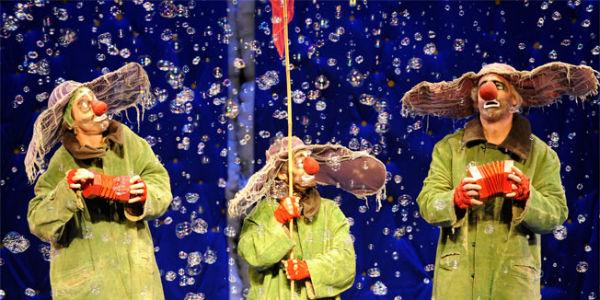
[
  {"x": 355, "y": 78},
  {"x": 586, "y": 23},
  {"x": 405, "y": 200},
  {"x": 298, "y": 96},
  {"x": 379, "y": 289},
  {"x": 581, "y": 267},
  {"x": 552, "y": 55},
  {"x": 321, "y": 82},
  {"x": 418, "y": 36},
  {"x": 210, "y": 256},
  {"x": 560, "y": 232},
  {"x": 374, "y": 272},
  {"x": 439, "y": 204},
  {"x": 426, "y": 280},
  {"x": 587, "y": 248},
  {"x": 217, "y": 72},
  {"x": 15, "y": 242},
  {"x": 596, "y": 50},
  {"x": 199, "y": 226},
  {"x": 540, "y": 22},
  {"x": 175, "y": 78},
  {"x": 267, "y": 80},
  {"x": 29, "y": 292},
  {"x": 556, "y": 16},
  {"x": 170, "y": 276},
  {"x": 334, "y": 37},
  {"x": 192, "y": 197},
  {"x": 182, "y": 229},
  {"x": 239, "y": 63},
  {"x": 194, "y": 259},
  {"x": 415, "y": 63},
  {"x": 46, "y": 251},
  {"x": 194, "y": 296},
  {"x": 430, "y": 49},
  {"x": 581, "y": 219},
  {"x": 167, "y": 9},
  {"x": 489, "y": 229},
  {"x": 429, "y": 268},
  {"x": 229, "y": 231},
  {"x": 320, "y": 106},
  {"x": 367, "y": 99}
]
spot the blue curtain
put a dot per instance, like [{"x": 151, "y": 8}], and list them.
[{"x": 353, "y": 60}]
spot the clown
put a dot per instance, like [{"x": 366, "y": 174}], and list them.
[
  {"x": 92, "y": 202},
  {"x": 489, "y": 248},
  {"x": 324, "y": 263}
]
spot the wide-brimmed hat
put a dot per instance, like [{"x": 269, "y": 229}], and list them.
[
  {"x": 121, "y": 89},
  {"x": 356, "y": 172},
  {"x": 541, "y": 86}
]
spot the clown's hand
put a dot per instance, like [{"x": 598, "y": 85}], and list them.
[
  {"x": 520, "y": 186},
  {"x": 76, "y": 177},
  {"x": 296, "y": 269},
  {"x": 288, "y": 209},
  {"x": 137, "y": 189},
  {"x": 465, "y": 192}
]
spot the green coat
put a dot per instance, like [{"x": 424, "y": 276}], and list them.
[
  {"x": 99, "y": 250},
  {"x": 324, "y": 243},
  {"x": 492, "y": 251}
]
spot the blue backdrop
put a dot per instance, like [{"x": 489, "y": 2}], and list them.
[{"x": 352, "y": 64}]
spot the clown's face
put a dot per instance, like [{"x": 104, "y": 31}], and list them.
[
  {"x": 302, "y": 180},
  {"x": 500, "y": 108},
  {"x": 88, "y": 115}
]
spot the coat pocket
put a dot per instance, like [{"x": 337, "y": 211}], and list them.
[
  {"x": 524, "y": 268},
  {"x": 450, "y": 261},
  {"x": 72, "y": 283}
]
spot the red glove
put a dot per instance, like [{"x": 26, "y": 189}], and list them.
[
  {"x": 70, "y": 176},
  {"x": 522, "y": 191},
  {"x": 287, "y": 210},
  {"x": 145, "y": 194},
  {"x": 297, "y": 269},
  {"x": 461, "y": 199}
]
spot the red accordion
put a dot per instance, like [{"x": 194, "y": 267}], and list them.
[
  {"x": 493, "y": 178},
  {"x": 115, "y": 188}
]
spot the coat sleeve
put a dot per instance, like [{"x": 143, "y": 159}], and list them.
[
  {"x": 546, "y": 207},
  {"x": 436, "y": 200},
  {"x": 263, "y": 240},
  {"x": 53, "y": 206},
  {"x": 333, "y": 271},
  {"x": 156, "y": 178}
]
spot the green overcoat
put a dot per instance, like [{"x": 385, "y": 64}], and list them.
[
  {"x": 491, "y": 251},
  {"x": 324, "y": 243},
  {"x": 101, "y": 249}
]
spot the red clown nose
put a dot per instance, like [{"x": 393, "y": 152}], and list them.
[
  {"x": 488, "y": 91},
  {"x": 311, "y": 166},
  {"x": 99, "y": 107}
]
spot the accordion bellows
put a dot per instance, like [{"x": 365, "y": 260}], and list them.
[
  {"x": 492, "y": 177},
  {"x": 114, "y": 188}
]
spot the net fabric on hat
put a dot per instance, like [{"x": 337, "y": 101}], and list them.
[
  {"x": 126, "y": 87},
  {"x": 541, "y": 86},
  {"x": 356, "y": 172}
]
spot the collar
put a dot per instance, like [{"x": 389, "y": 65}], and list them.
[
  {"x": 518, "y": 140},
  {"x": 113, "y": 135}
]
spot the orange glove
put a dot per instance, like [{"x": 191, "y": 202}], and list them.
[
  {"x": 296, "y": 269},
  {"x": 287, "y": 210}
]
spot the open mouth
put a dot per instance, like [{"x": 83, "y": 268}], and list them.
[
  {"x": 491, "y": 104},
  {"x": 100, "y": 118},
  {"x": 307, "y": 179}
]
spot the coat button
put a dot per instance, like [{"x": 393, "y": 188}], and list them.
[
  {"x": 472, "y": 275},
  {"x": 473, "y": 244}
]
